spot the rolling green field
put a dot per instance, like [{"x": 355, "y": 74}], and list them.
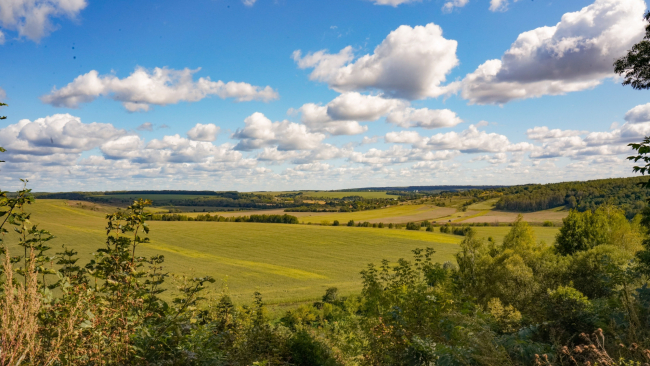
[
  {"x": 485, "y": 205},
  {"x": 286, "y": 263},
  {"x": 394, "y": 214}
]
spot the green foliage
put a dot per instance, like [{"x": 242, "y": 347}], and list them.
[
  {"x": 306, "y": 351},
  {"x": 269, "y": 219},
  {"x": 607, "y": 225},
  {"x": 521, "y": 236},
  {"x": 625, "y": 193},
  {"x": 501, "y": 304},
  {"x": 570, "y": 310},
  {"x": 412, "y": 226},
  {"x": 590, "y": 270},
  {"x": 635, "y": 65}
]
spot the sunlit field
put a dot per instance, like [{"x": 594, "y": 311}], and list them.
[{"x": 286, "y": 263}]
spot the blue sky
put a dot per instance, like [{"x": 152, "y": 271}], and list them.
[{"x": 282, "y": 94}]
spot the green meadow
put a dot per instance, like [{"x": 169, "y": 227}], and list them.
[
  {"x": 396, "y": 214},
  {"x": 286, "y": 263}
]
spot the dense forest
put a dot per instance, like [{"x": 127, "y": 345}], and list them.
[{"x": 626, "y": 193}]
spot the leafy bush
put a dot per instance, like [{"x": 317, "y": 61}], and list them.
[{"x": 412, "y": 226}]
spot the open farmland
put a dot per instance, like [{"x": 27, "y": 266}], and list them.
[
  {"x": 403, "y": 213},
  {"x": 286, "y": 263},
  {"x": 395, "y": 214},
  {"x": 492, "y": 216}
]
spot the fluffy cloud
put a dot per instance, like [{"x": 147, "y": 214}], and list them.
[
  {"x": 628, "y": 132},
  {"x": 260, "y": 132},
  {"x": 424, "y": 117},
  {"x": 640, "y": 113},
  {"x": 355, "y": 106},
  {"x": 56, "y": 134},
  {"x": 568, "y": 143},
  {"x": 31, "y": 18},
  {"x": 272, "y": 154},
  {"x": 162, "y": 86},
  {"x": 411, "y": 63},
  {"x": 498, "y": 158},
  {"x": 575, "y": 54},
  {"x": 450, "y": 5},
  {"x": 170, "y": 149},
  {"x": 469, "y": 141},
  {"x": 341, "y": 115},
  {"x": 544, "y": 133},
  {"x": 316, "y": 118},
  {"x": 249, "y": 2},
  {"x": 324, "y": 152},
  {"x": 201, "y": 132},
  {"x": 398, "y": 155},
  {"x": 499, "y": 5}
]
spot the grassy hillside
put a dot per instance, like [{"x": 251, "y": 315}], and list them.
[
  {"x": 395, "y": 214},
  {"x": 286, "y": 263}
]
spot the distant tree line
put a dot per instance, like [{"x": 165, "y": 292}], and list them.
[
  {"x": 625, "y": 193},
  {"x": 269, "y": 219}
]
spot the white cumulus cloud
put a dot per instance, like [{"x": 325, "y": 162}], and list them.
[
  {"x": 59, "y": 133},
  {"x": 424, "y": 117},
  {"x": 169, "y": 149},
  {"x": 161, "y": 86},
  {"x": 472, "y": 140},
  {"x": 499, "y": 5},
  {"x": 260, "y": 132},
  {"x": 203, "y": 132},
  {"x": 450, "y": 5},
  {"x": 640, "y": 113},
  {"x": 341, "y": 115},
  {"x": 32, "y": 18},
  {"x": 411, "y": 63},
  {"x": 575, "y": 54},
  {"x": 544, "y": 133}
]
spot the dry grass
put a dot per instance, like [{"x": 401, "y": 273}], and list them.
[{"x": 19, "y": 316}]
